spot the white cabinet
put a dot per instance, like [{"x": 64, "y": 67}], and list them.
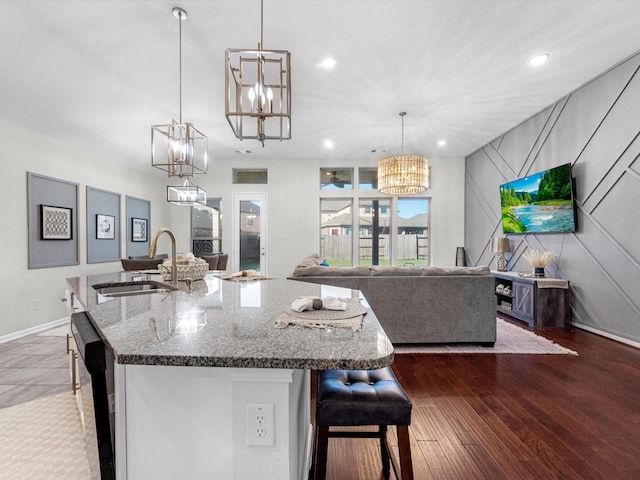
[{"x": 73, "y": 306}]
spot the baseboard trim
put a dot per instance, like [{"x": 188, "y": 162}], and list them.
[
  {"x": 31, "y": 330},
  {"x": 626, "y": 341}
]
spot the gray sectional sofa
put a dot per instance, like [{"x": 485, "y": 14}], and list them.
[{"x": 426, "y": 305}]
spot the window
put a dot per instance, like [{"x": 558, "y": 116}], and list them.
[
  {"x": 250, "y": 176},
  {"x": 412, "y": 239},
  {"x": 368, "y": 178},
  {"x": 336, "y": 228},
  {"x": 336, "y": 178},
  {"x": 390, "y": 231},
  {"x": 206, "y": 231}
]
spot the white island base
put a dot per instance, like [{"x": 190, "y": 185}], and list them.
[{"x": 191, "y": 422}]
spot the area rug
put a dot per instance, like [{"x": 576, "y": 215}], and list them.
[
  {"x": 509, "y": 339},
  {"x": 44, "y": 439}
]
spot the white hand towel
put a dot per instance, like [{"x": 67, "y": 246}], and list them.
[
  {"x": 301, "y": 304},
  {"x": 332, "y": 303},
  {"x": 327, "y": 303}
]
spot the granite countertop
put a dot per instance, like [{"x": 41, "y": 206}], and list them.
[{"x": 222, "y": 323}]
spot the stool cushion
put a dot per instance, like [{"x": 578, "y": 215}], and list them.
[{"x": 361, "y": 397}]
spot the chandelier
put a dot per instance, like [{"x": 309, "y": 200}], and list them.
[
  {"x": 179, "y": 148},
  {"x": 258, "y": 91},
  {"x": 186, "y": 194},
  {"x": 403, "y": 174}
]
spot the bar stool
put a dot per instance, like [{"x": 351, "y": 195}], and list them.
[{"x": 349, "y": 398}]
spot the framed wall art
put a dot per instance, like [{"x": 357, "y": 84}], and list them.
[
  {"x": 52, "y": 207},
  {"x": 137, "y": 211},
  {"x": 105, "y": 227},
  {"x": 56, "y": 223},
  {"x": 138, "y": 230}
]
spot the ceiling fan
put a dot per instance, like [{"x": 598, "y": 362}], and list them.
[{"x": 336, "y": 181}]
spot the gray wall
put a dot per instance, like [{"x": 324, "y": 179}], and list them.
[{"x": 596, "y": 128}]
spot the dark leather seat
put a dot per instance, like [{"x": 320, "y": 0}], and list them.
[
  {"x": 146, "y": 257},
  {"x": 140, "y": 264},
  {"x": 362, "y": 397},
  {"x": 216, "y": 261}
]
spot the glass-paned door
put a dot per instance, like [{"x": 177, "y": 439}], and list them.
[
  {"x": 412, "y": 241},
  {"x": 249, "y": 220}
]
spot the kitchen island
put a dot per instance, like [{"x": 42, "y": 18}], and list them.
[{"x": 191, "y": 367}]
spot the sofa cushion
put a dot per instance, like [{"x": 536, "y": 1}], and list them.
[
  {"x": 319, "y": 271},
  {"x": 311, "y": 261},
  {"x": 392, "y": 271},
  {"x": 432, "y": 271}
]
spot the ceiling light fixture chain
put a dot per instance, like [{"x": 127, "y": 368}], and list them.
[
  {"x": 402, "y": 114},
  {"x": 181, "y": 15}
]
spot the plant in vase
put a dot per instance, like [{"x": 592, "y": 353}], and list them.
[{"x": 538, "y": 260}]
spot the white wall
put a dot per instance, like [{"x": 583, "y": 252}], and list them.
[
  {"x": 293, "y": 195},
  {"x": 293, "y": 214},
  {"x": 23, "y": 151}
]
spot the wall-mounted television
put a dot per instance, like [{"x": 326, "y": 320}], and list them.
[{"x": 539, "y": 203}]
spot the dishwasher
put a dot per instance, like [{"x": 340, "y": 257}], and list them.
[{"x": 98, "y": 360}]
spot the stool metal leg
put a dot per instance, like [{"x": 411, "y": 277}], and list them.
[
  {"x": 404, "y": 447},
  {"x": 320, "y": 455},
  {"x": 384, "y": 451}
]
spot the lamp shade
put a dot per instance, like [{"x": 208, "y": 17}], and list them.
[
  {"x": 500, "y": 245},
  {"x": 403, "y": 174}
]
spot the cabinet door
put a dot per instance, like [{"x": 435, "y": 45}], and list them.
[{"x": 523, "y": 300}]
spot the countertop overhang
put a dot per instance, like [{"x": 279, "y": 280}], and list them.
[{"x": 221, "y": 323}]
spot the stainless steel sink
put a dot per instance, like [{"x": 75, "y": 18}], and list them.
[{"x": 123, "y": 289}]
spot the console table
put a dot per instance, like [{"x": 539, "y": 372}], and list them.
[{"x": 539, "y": 301}]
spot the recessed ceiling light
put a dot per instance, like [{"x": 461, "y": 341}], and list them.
[
  {"x": 243, "y": 152},
  {"x": 328, "y": 144},
  {"x": 379, "y": 150},
  {"x": 442, "y": 143},
  {"x": 539, "y": 59},
  {"x": 328, "y": 63}
]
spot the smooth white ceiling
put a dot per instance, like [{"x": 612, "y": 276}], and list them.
[{"x": 98, "y": 74}]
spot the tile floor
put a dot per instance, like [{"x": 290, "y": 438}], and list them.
[
  {"x": 32, "y": 367},
  {"x": 41, "y": 434}
]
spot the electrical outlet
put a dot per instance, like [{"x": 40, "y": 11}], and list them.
[
  {"x": 260, "y": 423},
  {"x": 36, "y": 304}
]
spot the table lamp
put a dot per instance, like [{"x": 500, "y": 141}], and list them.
[{"x": 500, "y": 246}]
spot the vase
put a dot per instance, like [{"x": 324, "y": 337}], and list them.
[{"x": 538, "y": 271}]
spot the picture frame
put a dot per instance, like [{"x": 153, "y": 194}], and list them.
[
  {"x": 56, "y": 223},
  {"x": 139, "y": 230},
  {"x": 105, "y": 227}
]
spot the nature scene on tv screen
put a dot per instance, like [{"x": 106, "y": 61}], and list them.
[{"x": 539, "y": 203}]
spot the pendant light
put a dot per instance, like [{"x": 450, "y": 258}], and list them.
[
  {"x": 179, "y": 148},
  {"x": 403, "y": 174},
  {"x": 258, "y": 91}
]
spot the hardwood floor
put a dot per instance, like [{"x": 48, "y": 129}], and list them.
[{"x": 515, "y": 416}]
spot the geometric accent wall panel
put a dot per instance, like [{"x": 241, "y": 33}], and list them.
[
  {"x": 617, "y": 214},
  {"x": 597, "y": 130}
]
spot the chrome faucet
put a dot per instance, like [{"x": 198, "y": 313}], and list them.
[{"x": 152, "y": 252}]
